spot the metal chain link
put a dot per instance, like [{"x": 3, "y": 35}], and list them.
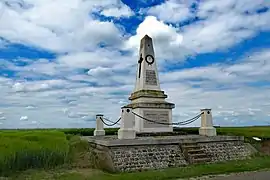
[
  {"x": 178, "y": 123},
  {"x": 113, "y": 123},
  {"x": 189, "y": 121}
]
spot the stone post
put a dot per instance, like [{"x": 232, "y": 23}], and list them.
[
  {"x": 127, "y": 130},
  {"x": 207, "y": 128},
  {"x": 99, "y": 131}
]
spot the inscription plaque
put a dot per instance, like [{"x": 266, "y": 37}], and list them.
[
  {"x": 158, "y": 116},
  {"x": 150, "y": 78}
]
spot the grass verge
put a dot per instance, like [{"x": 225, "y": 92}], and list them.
[{"x": 253, "y": 164}]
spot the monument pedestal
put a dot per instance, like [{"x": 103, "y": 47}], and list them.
[
  {"x": 151, "y": 105},
  {"x": 126, "y": 130},
  {"x": 126, "y": 134},
  {"x": 99, "y": 131},
  {"x": 207, "y": 131},
  {"x": 207, "y": 128}
]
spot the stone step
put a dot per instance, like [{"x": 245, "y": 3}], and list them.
[
  {"x": 195, "y": 151},
  {"x": 199, "y": 160},
  {"x": 190, "y": 146},
  {"x": 198, "y": 156}
]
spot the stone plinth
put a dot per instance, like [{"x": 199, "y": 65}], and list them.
[
  {"x": 151, "y": 105},
  {"x": 144, "y": 153},
  {"x": 99, "y": 131},
  {"x": 126, "y": 130},
  {"x": 207, "y": 128}
]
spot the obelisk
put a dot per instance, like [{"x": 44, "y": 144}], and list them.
[{"x": 147, "y": 99}]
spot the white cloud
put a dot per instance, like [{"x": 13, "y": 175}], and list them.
[
  {"x": 100, "y": 71},
  {"x": 120, "y": 11},
  {"x": 90, "y": 79},
  {"x": 24, "y": 118},
  {"x": 223, "y": 24},
  {"x": 77, "y": 103},
  {"x": 168, "y": 42},
  {"x": 61, "y": 25},
  {"x": 173, "y": 11}
]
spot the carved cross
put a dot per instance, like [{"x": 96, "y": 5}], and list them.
[{"x": 140, "y": 66}]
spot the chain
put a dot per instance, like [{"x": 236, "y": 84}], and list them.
[
  {"x": 178, "y": 123},
  {"x": 189, "y": 121},
  {"x": 113, "y": 123}
]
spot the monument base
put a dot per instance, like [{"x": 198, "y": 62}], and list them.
[
  {"x": 152, "y": 112},
  {"x": 126, "y": 134},
  {"x": 146, "y": 153},
  {"x": 207, "y": 131},
  {"x": 163, "y": 117},
  {"x": 99, "y": 133}
]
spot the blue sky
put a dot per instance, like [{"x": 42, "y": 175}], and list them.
[{"x": 64, "y": 61}]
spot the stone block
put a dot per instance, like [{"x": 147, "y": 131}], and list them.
[
  {"x": 207, "y": 131},
  {"x": 126, "y": 134},
  {"x": 99, "y": 133}
]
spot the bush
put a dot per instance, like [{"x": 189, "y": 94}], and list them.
[
  {"x": 21, "y": 150},
  {"x": 88, "y": 131}
]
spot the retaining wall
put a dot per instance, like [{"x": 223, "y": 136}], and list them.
[{"x": 121, "y": 157}]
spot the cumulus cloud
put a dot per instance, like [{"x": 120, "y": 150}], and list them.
[
  {"x": 61, "y": 25},
  {"x": 121, "y": 10},
  {"x": 95, "y": 61},
  {"x": 225, "y": 22},
  {"x": 173, "y": 11},
  {"x": 168, "y": 41},
  {"x": 24, "y": 118}
]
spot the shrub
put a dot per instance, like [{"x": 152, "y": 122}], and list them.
[{"x": 88, "y": 131}]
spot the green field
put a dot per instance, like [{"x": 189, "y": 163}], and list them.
[{"x": 51, "y": 149}]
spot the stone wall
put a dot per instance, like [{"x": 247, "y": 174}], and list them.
[
  {"x": 128, "y": 158},
  {"x": 138, "y": 158},
  {"x": 225, "y": 151}
]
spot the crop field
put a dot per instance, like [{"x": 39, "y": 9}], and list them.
[
  {"x": 21, "y": 150},
  {"x": 50, "y": 148},
  {"x": 252, "y": 131}
]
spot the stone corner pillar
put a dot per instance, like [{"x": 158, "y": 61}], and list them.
[
  {"x": 207, "y": 128},
  {"x": 127, "y": 130},
  {"x": 99, "y": 131}
]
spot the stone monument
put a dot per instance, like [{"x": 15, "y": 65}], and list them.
[{"x": 147, "y": 99}]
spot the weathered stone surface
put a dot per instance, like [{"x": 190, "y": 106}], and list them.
[
  {"x": 148, "y": 93},
  {"x": 144, "y": 153},
  {"x": 139, "y": 158},
  {"x": 224, "y": 151},
  {"x": 155, "y": 105}
]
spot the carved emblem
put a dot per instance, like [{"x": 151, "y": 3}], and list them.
[
  {"x": 140, "y": 66},
  {"x": 149, "y": 59}
]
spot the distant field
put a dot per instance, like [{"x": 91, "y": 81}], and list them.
[{"x": 258, "y": 131}]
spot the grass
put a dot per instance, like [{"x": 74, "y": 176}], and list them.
[
  {"x": 60, "y": 154},
  {"x": 21, "y": 150},
  {"x": 258, "y": 131},
  {"x": 254, "y": 164}
]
